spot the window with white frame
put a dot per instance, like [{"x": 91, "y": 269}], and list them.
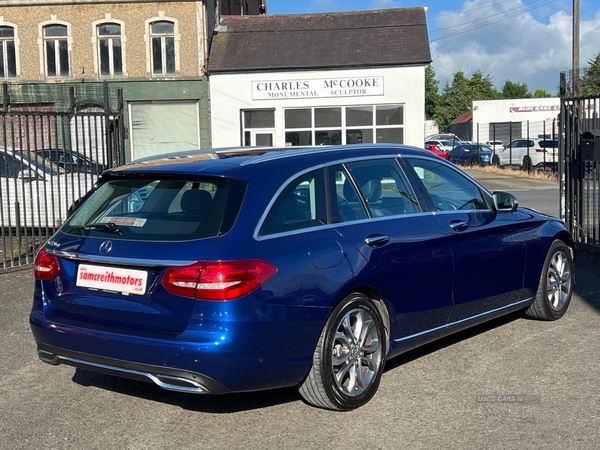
[
  {"x": 258, "y": 127},
  {"x": 56, "y": 50},
  {"x": 162, "y": 46},
  {"x": 8, "y": 53},
  {"x": 110, "y": 49},
  {"x": 344, "y": 125}
]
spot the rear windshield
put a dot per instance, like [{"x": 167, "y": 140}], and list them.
[
  {"x": 155, "y": 209},
  {"x": 549, "y": 144}
]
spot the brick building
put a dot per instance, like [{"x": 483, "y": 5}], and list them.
[{"x": 156, "y": 51}]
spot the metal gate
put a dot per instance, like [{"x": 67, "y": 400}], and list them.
[
  {"x": 54, "y": 142},
  {"x": 579, "y": 171}
]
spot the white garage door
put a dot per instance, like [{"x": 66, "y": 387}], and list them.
[{"x": 163, "y": 127}]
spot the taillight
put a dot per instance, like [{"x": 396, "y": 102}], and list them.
[
  {"x": 541, "y": 150},
  {"x": 46, "y": 266},
  {"x": 218, "y": 280}
]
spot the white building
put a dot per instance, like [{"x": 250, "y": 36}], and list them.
[
  {"x": 505, "y": 120},
  {"x": 315, "y": 79}
]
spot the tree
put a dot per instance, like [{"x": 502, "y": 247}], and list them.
[
  {"x": 482, "y": 87},
  {"x": 541, "y": 93},
  {"x": 432, "y": 95},
  {"x": 457, "y": 98},
  {"x": 515, "y": 90},
  {"x": 591, "y": 80}
]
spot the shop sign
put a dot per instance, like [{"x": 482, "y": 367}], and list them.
[
  {"x": 526, "y": 109},
  {"x": 320, "y": 88}
]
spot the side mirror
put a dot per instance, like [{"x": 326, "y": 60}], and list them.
[{"x": 505, "y": 201}]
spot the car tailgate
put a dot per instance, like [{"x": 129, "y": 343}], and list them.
[{"x": 124, "y": 290}]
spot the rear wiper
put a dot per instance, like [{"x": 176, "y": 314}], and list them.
[{"x": 108, "y": 226}]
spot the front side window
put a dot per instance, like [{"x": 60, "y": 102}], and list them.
[
  {"x": 162, "y": 42},
  {"x": 8, "y": 54},
  {"x": 384, "y": 187},
  {"x": 110, "y": 49},
  {"x": 56, "y": 48},
  {"x": 447, "y": 189}
]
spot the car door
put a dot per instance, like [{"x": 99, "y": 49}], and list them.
[
  {"x": 488, "y": 248},
  {"x": 406, "y": 247}
]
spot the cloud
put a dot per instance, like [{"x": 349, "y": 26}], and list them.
[{"x": 507, "y": 42}]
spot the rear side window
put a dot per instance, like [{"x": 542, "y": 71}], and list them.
[
  {"x": 157, "y": 209},
  {"x": 300, "y": 205}
]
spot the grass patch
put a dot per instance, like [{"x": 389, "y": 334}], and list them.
[{"x": 536, "y": 174}]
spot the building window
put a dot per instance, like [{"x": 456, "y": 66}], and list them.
[
  {"x": 162, "y": 42},
  {"x": 110, "y": 49},
  {"x": 258, "y": 127},
  {"x": 344, "y": 125},
  {"x": 8, "y": 53},
  {"x": 56, "y": 50}
]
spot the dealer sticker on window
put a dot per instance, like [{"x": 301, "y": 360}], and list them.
[{"x": 112, "y": 279}]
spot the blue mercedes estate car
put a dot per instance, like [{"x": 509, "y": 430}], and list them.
[{"x": 217, "y": 271}]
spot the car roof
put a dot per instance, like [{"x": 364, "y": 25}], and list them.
[
  {"x": 234, "y": 161},
  {"x": 471, "y": 146}
]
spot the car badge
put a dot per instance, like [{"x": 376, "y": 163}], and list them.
[{"x": 105, "y": 247}]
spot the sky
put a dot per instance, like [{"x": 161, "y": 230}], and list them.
[{"x": 526, "y": 41}]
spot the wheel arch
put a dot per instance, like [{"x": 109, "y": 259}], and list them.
[{"x": 379, "y": 300}]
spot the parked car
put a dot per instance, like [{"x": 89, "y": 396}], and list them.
[
  {"x": 250, "y": 269},
  {"x": 442, "y": 136},
  {"x": 470, "y": 155},
  {"x": 35, "y": 192},
  {"x": 436, "y": 151},
  {"x": 71, "y": 161},
  {"x": 443, "y": 144},
  {"x": 495, "y": 145},
  {"x": 528, "y": 153}
]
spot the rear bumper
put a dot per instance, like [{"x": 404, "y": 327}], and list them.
[
  {"x": 234, "y": 357},
  {"x": 167, "y": 378}
]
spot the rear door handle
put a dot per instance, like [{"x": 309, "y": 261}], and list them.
[
  {"x": 376, "y": 240},
  {"x": 459, "y": 225}
]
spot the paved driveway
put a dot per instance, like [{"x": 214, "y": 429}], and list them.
[{"x": 513, "y": 383}]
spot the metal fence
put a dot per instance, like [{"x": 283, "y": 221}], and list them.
[
  {"x": 529, "y": 145},
  {"x": 54, "y": 142},
  {"x": 579, "y": 174}
]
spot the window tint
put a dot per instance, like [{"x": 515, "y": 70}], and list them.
[
  {"x": 300, "y": 205},
  {"x": 448, "y": 189},
  {"x": 384, "y": 188},
  {"x": 549, "y": 144},
  {"x": 157, "y": 209}
]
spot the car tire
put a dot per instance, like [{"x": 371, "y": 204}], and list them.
[
  {"x": 349, "y": 358},
  {"x": 556, "y": 284},
  {"x": 527, "y": 164},
  {"x": 496, "y": 161}
]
